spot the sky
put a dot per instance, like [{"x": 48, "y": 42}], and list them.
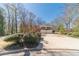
[{"x": 46, "y": 11}]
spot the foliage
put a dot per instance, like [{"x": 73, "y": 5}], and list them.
[
  {"x": 75, "y": 29},
  {"x": 61, "y": 29},
  {"x": 14, "y": 37},
  {"x": 75, "y": 34},
  {"x": 69, "y": 33},
  {"x": 32, "y": 39}
]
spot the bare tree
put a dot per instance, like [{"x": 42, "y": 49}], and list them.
[
  {"x": 8, "y": 17},
  {"x": 71, "y": 10}
]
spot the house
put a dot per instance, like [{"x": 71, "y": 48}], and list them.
[{"x": 47, "y": 29}]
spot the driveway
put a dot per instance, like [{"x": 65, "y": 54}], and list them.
[{"x": 56, "y": 41}]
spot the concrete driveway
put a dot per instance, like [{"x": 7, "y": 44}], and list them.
[{"x": 56, "y": 41}]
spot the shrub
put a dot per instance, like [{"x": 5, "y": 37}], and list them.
[
  {"x": 75, "y": 29},
  {"x": 61, "y": 29},
  {"x": 69, "y": 33},
  {"x": 29, "y": 39},
  {"x": 32, "y": 39},
  {"x": 14, "y": 37},
  {"x": 75, "y": 34}
]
